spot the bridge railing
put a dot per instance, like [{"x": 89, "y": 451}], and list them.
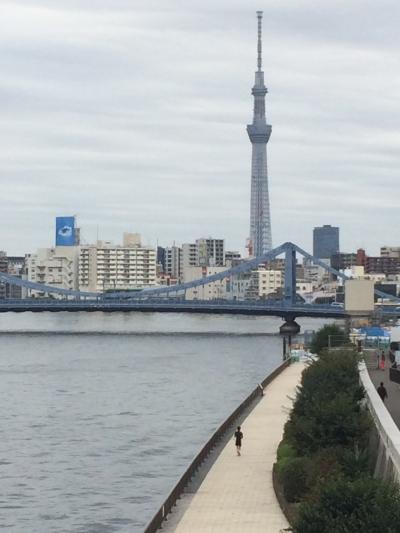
[{"x": 179, "y": 488}]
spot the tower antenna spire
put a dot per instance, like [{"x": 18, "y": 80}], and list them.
[
  {"x": 259, "y": 132},
  {"x": 259, "y": 43}
]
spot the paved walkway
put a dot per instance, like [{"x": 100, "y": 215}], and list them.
[
  {"x": 237, "y": 494},
  {"x": 392, "y": 402}
]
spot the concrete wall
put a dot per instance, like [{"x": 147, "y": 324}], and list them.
[
  {"x": 386, "y": 439},
  {"x": 359, "y": 295}
]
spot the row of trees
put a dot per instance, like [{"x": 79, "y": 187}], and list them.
[{"x": 323, "y": 461}]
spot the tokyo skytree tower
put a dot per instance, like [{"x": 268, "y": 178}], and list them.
[{"x": 259, "y": 132}]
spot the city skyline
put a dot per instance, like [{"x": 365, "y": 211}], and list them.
[{"x": 89, "y": 92}]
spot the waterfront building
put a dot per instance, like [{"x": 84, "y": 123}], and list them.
[
  {"x": 237, "y": 287},
  {"x": 212, "y": 291},
  {"x": 259, "y": 133},
  {"x": 210, "y": 252},
  {"x": 342, "y": 261},
  {"x": 315, "y": 274},
  {"x": 160, "y": 259},
  {"x": 15, "y": 267},
  {"x": 304, "y": 288},
  {"x": 232, "y": 259},
  {"x": 325, "y": 241},
  {"x": 275, "y": 264},
  {"x": 167, "y": 280},
  {"x": 173, "y": 261},
  {"x": 107, "y": 267},
  {"x": 382, "y": 264},
  {"x": 263, "y": 283},
  {"x": 4, "y": 270},
  {"x": 189, "y": 255},
  {"x": 57, "y": 266},
  {"x": 203, "y": 252},
  {"x": 390, "y": 251}
]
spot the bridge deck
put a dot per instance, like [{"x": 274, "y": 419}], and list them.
[
  {"x": 237, "y": 494},
  {"x": 173, "y": 306}
]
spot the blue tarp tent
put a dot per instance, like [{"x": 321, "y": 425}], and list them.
[{"x": 375, "y": 332}]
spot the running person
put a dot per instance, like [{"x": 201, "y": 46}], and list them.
[{"x": 238, "y": 440}]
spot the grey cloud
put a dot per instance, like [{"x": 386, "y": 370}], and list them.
[{"x": 133, "y": 115}]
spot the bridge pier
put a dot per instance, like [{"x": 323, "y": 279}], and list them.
[{"x": 288, "y": 330}]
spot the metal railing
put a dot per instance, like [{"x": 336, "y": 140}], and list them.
[{"x": 179, "y": 488}]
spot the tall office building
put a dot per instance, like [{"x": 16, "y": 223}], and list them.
[
  {"x": 325, "y": 241},
  {"x": 259, "y": 132},
  {"x": 173, "y": 261},
  {"x": 210, "y": 252}
]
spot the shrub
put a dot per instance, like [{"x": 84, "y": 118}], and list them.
[
  {"x": 285, "y": 450},
  {"x": 328, "y": 424},
  {"x": 355, "y": 462},
  {"x": 346, "y": 506},
  {"x": 293, "y": 476},
  {"x": 285, "y": 454},
  {"x": 327, "y": 410},
  {"x": 324, "y": 464}
]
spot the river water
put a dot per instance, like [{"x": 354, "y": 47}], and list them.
[{"x": 101, "y": 414}]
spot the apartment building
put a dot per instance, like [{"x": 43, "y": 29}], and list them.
[
  {"x": 56, "y": 267},
  {"x": 263, "y": 283},
  {"x": 211, "y": 291},
  {"x": 108, "y": 267}
]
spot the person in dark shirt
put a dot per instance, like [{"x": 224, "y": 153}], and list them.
[
  {"x": 382, "y": 392},
  {"x": 238, "y": 440}
]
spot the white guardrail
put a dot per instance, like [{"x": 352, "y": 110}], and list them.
[{"x": 388, "y": 452}]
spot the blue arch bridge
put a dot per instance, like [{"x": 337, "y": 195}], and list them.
[{"x": 173, "y": 298}]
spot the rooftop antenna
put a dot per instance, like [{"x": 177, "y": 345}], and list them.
[{"x": 259, "y": 45}]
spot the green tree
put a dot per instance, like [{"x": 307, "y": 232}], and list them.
[
  {"x": 329, "y": 335},
  {"x": 346, "y": 506}
]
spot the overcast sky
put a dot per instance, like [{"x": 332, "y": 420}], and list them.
[{"x": 132, "y": 116}]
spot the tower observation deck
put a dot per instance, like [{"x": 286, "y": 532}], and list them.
[{"x": 259, "y": 132}]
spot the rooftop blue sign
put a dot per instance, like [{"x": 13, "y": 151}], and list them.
[{"x": 65, "y": 231}]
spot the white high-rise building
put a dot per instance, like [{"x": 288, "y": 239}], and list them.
[
  {"x": 109, "y": 267},
  {"x": 56, "y": 267}
]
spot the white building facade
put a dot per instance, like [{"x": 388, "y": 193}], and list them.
[
  {"x": 108, "y": 267},
  {"x": 211, "y": 291},
  {"x": 57, "y": 267}
]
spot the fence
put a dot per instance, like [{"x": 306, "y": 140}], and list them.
[{"x": 179, "y": 488}]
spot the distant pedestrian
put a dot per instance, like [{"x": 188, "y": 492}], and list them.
[
  {"x": 382, "y": 392},
  {"x": 238, "y": 440},
  {"x": 383, "y": 360}
]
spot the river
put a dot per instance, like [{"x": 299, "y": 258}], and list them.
[{"x": 101, "y": 414}]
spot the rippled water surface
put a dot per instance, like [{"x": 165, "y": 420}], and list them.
[{"x": 101, "y": 414}]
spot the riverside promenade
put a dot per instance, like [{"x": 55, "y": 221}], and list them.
[
  {"x": 392, "y": 403},
  {"x": 237, "y": 494}
]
